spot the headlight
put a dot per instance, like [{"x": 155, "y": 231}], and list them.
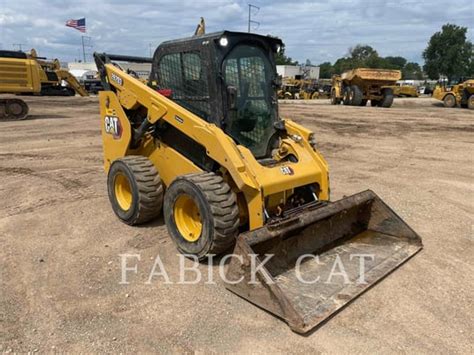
[
  {"x": 224, "y": 41},
  {"x": 296, "y": 137}
]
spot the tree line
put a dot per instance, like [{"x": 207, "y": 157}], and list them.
[{"x": 449, "y": 54}]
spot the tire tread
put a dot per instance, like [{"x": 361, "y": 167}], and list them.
[{"x": 150, "y": 188}]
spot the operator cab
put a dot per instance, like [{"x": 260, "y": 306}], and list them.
[{"x": 226, "y": 78}]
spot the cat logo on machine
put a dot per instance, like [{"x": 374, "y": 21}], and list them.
[
  {"x": 286, "y": 170},
  {"x": 112, "y": 126}
]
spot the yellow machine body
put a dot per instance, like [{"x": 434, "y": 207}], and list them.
[
  {"x": 241, "y": 170},
  {"x": 19, "y": 76},
  {"x": 51, "y": 75},
  {"x": 276, "y": 203},
  {"x": 404, "y": 91},
  {"x": 458, "y": 95},
  {"x": 357, "y": 86}
]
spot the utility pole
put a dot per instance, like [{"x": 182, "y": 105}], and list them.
[
  {"x": 83, "y": 50},
  {"x": 250, "y": 16},
  {"x": 19, "y": 45},
  {"x": 84, "y": 45}
]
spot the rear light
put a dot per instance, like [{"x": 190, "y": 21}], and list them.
[{"x": 165, "y": 92}]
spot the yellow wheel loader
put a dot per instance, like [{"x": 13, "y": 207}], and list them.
[
  {"x": 461, "y": 94},
  {"x": 204, "y": 144},
  {"x": 18, "y": 74}
]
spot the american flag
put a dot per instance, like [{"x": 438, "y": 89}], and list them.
[{"x": 77, "y": 24}]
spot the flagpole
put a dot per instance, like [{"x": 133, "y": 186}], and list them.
[{"x": 83, "y": 49}]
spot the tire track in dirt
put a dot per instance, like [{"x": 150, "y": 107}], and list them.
[{"x": 75, "y": 189}]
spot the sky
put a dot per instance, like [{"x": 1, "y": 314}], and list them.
[{"x": 316, "y": 30}]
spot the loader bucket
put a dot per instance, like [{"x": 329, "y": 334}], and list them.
[{"x": 317, "y": 266}]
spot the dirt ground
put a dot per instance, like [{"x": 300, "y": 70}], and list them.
[{"x": 60, "y": 241}]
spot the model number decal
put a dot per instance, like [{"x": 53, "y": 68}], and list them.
[
  {"x": 286, "y": 170},
  {"x": 112, "y": 126},
  {"x": 117, "y": 79}
]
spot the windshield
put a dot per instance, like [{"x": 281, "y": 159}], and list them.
[{"x": 248, "y": 71}]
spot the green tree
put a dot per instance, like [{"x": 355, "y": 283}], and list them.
[
  {"x": 412, "y": 71},
  {"x": 282, "y": 59},
  {"x": 343, "y": 64},
  {"x": 326, "y": 70},
  {"x": 366, "y": 56},
  {"x": 362, "y": 53},
  {"x": 395, "y": 62},
  {"x": 358, "y": 56},
  {"x": 448, "y": 53}
]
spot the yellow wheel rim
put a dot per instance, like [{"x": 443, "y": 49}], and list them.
[
  {"x": 123, "y": 192},
  {"x": 187, "y": 218}
]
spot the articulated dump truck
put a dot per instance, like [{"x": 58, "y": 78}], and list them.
[
  {"x": 357, "y": 86},
  {"x": 203, "y": 143}
]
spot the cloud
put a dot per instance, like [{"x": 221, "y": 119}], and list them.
[{"x": 316, "y": 30}]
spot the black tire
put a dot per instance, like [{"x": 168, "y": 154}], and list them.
[
  {"x": 464, "y": 99},
  {"x": 145, "y": 188},
  {"x": 470, "y": 102},
  {"x": 363, "y": 102},
  {"x": 374, "y": 103},
  {"x": 14, "y": 109},
  {"x": 217, "y": 211},
  {"x": 334, "y": 99},
  {"x": 449, "y": 101},
  {"x": 70, "y": 91},
  {"x": 387, "y": 99},
  {"x": 356, "y": 95},
  {"x": 346, "y": 96}
]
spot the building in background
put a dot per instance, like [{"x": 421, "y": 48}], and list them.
[
  {"x": 298, "y": 72},
  {"x": 143, "y": 70}
]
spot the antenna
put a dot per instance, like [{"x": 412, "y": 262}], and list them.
[{"x": 250, "y": 16}]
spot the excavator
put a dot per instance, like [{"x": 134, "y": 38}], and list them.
[
  {"x": 28, "y": 74},
  {"x": 203, "y": 143},
  {"x": 18, "y": 74},
  {"x": 52, "y": 75}
]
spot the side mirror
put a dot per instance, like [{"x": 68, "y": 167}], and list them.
[{"x": 232, "y": 97}]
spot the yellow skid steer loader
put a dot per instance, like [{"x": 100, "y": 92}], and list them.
[{"x": 203, "y": 142}]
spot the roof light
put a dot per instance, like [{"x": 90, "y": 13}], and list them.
[
  {"x": 224, "y": 41},
  {"x": 278, "y": 48}
]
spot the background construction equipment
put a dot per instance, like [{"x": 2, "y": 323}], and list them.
[
  {"x": 18, "y": 74},
  {"x": 52, "y": 75},
  {"x": 458, "y": 95},
  {"x": 356, "y": 87}
]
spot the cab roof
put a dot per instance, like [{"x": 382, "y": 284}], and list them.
[{"x": 217, "y": 35}]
